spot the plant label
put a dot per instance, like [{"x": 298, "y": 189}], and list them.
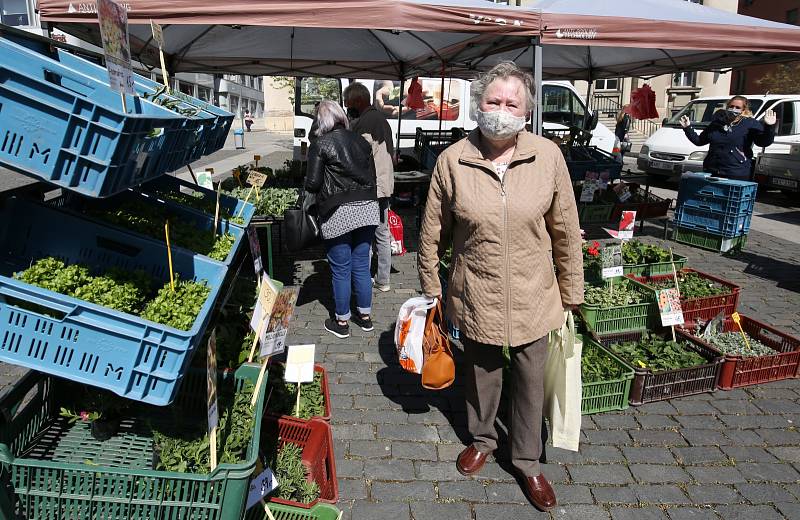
[
  {"x": 626, "y": 223},
  {"x": 261, "y": 486},
  {"x": 255, "y": 250},
  {"x": 113, "y": 20},
  {"x": 204, "y": 180},
  {"x": 623, "y": 192},
  {"x": 611, "y": 258},
  {"x": 300, "y": 364},
  {"x": 256, "y": 179},
  {"x": 158, "y": 34},
  {"x": 211, "y": 381},
  {"x": 669, "y": 307},
  {"x": 587, "y": 192}
]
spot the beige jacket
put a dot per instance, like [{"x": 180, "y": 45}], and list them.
[
  {"x": 506, "y": 236},
  {"x": 373, "y": 126}
]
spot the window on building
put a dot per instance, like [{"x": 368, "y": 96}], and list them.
[
  {"x": 186, "y": 88},
  {"x": 561, "y": 106},
  {"x": 386, "y": 97},
  {"x": 792, "y": 16},
  {"x": 684, "y": 79},
  {"x": 204, "y": 93},
  {"x": 606, "y": 84},
  {"x": 14, "y": 12}
]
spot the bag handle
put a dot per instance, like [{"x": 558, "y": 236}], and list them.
[{"x": 436, "y": 318}]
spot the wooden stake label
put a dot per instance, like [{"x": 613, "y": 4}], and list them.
[
  {"x": 256, "y": 179},
  {"x": 169, "y": 257},
  {"x": 211, "y": 392}
]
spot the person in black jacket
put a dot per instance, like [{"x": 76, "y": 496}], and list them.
[
  {"x": 341, "y": 173},
  {"x": 730, "y": 136}
]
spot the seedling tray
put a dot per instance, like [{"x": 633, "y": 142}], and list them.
[
  {"x": 325, "y": 393},
  {"x": 604, "y": 396},
  {"x": 596, "y": 213},
  {"x": 283, "y": 512},
  {"x": 649, "y": 386},
  {"x": 738, "y": 371},
  {"x": 625, "y": 318},
  {"x": 708, "y": 241},
  {"x": 656, "y": 267}
]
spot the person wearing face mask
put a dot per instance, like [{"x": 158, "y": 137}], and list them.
[
  {"x": 503, "y": 197},
  {"x": 730, "y": 137}
]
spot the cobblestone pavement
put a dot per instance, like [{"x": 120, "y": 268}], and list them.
[{"x": 730, "y": 455}]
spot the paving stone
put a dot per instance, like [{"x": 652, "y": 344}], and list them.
[
  {"x": 343, "y": 416},
  {"x": 352, "y": 489},
  {"x": 436, "y": 511},
  {"x": 704, "y": 437},
  {"x": 394, "y": 417},
  {"x": 699, "y": 455},
  {"x": 639, "y": 513},
  {"x": 712, "y": 494},
  {"x": 403, "y": 491},
  {"x": 768, "y": 472},
  {"x": 389, "y": 469},
  {"x": 653, "y": 473},
  {"x": 764, "y": 493},
  {"x": 370, "y": 449},
  {"x": 615, "y": 421},
  {"x": 413, "y": 450},
  {"x": 353, "y": 431},
  {"x": 437, "y": 471},
  {"x": 468, "y": 490},
  {"x": 505, "y": 512},
  {"x": 656, "y": 422},
  {"x": 740, "y": 512},
  {"x": 615, "y": 495},
  {"x": 448, "y": 452},
  {"x": 601, "y": 474},
  {"x": 789, "y": 510},
  {"x": 755, "y": 421},
  {"x": 658, "y": 438},
  {"x": 559, "y": 456},
  {"x": 692, "y": 513},
  {"x": 573, "y": 494},
  {"x": 608, "y": 437},
  {"x": 554, "y": 473},
  {"x": 409, "y": 432},
  {"x": 363, "y": 510},
  {"x": 570, "y": 512},
  {"x": 505, "y": 492},
  {"x": 780, "y": 437},
  {"x": 716, "y": 475},
  {"x": 601, "y": 454},
  {"x": 648, "y": 455},
  {"x": 701, "y": 422},
  {"x": 780, "y": 406},
  {"x": 736, "y": 407},
  {"x": 660, "y": 407},
  {"x": 748, "y": 454},
  {"x": 660, "y": 494},
  {"x": 743, "y": 438},
  {"x": 786, "y": 454},
  {"x": 350, "y": 468},
  {"x": 685, "y": 407}
]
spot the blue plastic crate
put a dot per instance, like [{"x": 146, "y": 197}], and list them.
[
  {"x": 230, "y": 205},
  {"x": 81, "y": 341},
  {"x": 202, "y": 221},
  {"x": 695, "y": 185},
  {"x": 68, "y": 129},
  {"x": 196, "y": 130},
  {"x": 221, "y": 128},
  {"x": 714, "y": 222}
]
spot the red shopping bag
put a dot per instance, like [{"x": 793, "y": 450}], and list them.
[{"x": 396, "y": 230}]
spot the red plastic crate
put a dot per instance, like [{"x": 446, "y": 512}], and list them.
[
  {"x": 654, "y": 206},
  {"x": 316, "y": 439},
  {"x": 649, "y": 386},
  {"x": 738, "y": 371},
  {"x": 704, "y": 309},
  {"x": 326, "y": 394}
]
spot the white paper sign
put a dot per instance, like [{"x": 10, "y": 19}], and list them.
[
  {"x": 113, "y": 20},
  {"x": 611, "y": 260},
  {"x": 261, "y": 486},
  {"x": 669, "y": 307},
  {"x": 204, "y": 180},
  {"x": 255, "y": 250},
  {"x": 158, "y": 33},
  {"x": 589, "y": 187},
  {"x": 300, "y": 364}
]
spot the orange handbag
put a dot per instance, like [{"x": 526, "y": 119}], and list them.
[{"x": 438, "y": 367}]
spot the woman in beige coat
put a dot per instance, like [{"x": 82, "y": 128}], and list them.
[{"x": 504, "y": 199}]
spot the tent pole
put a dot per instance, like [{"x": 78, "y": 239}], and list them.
[
  {"x": 400, "y": 112},
  {"x": 536, "y": 52},
  {"x": 441, "y": 102}
]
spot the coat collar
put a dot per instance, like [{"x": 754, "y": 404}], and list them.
[{"x": 471, "y": 153}]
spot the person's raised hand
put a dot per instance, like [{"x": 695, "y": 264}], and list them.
[
  {"x": 685, "y": 122},
  {"x": 770, "y": 118}
]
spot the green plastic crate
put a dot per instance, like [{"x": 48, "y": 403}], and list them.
[
  {"x": 44, "y": 460},
  {"x": 604, "y": 396},
  {"x": 656, "y": 268},
  {"x": 595, "y": 213},
  {"x": 708, "y": 241},
  {"x": 622, "y": 319},
  {"x": 281, "y": 512}
]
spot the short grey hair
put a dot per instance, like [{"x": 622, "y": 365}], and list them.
[
  {"x": 503, "y": 70},
  {"x": 355, "y": 91},
  {"x": 330, "y": 114}
]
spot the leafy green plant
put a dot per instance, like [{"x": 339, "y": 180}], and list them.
[
  {"x": 269, "y": 201},
  {"x": 596, "y": 366},
  {"x": 287, "y": 465},
  {"x": 178, "y": 308},
  {"x": 733, "y": 344},
  {"x": 284, "y": 395},
  {"x": 621, "y": 293},
  {"x": 83, "y": 415},
  {"x": 691, "y": 285},
  {"x": 636, "y": 253},
  {"x": 160, "y": 98},
  {"x": 657, "y": 354}
]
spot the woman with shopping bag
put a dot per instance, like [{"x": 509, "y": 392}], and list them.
[{"x": 504, "y": 198}]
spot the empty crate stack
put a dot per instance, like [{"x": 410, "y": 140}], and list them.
[{"x": 714, "y": 213}]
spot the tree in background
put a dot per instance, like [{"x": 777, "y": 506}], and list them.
[
  {"x": 785, "y": 79},
  {"x": 313, "y": 89}
]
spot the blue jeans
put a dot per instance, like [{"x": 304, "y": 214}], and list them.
[{"x": 348, "y": 256}]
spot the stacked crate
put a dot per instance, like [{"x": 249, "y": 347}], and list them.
[{"x": 714, "y": 213}]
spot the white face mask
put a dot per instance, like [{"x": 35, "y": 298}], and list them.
[{"x": 498, "y": 125}]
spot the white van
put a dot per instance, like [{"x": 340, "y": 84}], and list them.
[
  {"x": 563, "y": 107},
  {"x": 669, "y": 152}
]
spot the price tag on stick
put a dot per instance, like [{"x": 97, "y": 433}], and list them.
[
  {"x": 299, "y": 368},
  {"x": 611, "y": 258},
  {"x": 169, "y": 257},
  {"x": 158, "y": 37},
  {"x": 211, "y": 388},
  {"x": 261, "y": 486},
  {"x": 588, "y": 190},
  {"x": 113, "y": 20},
  {"x": 256, "y": 179},
  {"x": 256, "y": 158},
  {"x": 216, "y": 209},
  {"x": 669, "y": 307}
]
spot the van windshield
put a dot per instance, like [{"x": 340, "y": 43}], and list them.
[{"x": 701, "y": 112}]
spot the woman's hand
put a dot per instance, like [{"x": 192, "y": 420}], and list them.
[
  {"x": 685, "y": 122},
  {"x": 770, "y": 118},
  {"x": 571, "y": 308}
]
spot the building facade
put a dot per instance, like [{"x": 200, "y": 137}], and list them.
[{"x": 745, "y": 80}]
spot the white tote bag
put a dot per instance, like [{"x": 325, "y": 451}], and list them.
[
  {"x": 409, "y": 331},
  {"x": 562, "y": 385}
]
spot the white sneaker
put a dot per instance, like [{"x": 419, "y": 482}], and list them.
[{"x": 381, "y": 286}]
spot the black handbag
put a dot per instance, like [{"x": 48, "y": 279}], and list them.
[{"x": 300, "y": 222}]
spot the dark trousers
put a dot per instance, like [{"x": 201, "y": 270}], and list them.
[{"x": 484, "y": 383}]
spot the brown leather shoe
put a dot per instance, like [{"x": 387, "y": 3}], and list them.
[
  {"x": 539, "y": 492},
  {"x": 470, "y": 461}
]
